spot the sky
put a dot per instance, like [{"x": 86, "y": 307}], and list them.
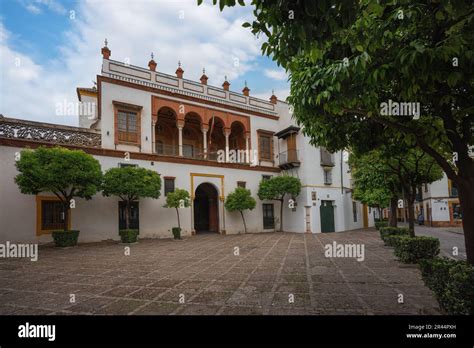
[{"x": 50, "y": 47}]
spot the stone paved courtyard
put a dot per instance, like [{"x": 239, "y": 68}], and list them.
[{"x": 205, "y": 274}]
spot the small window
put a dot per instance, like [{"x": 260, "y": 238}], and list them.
[
  {"x": 268, "y": 218},
  {"x": 127, "y": 126},
  {"x": 265, "y": 142},
  {"x": 241, "y": 184},
  {"x": 188, "y": 150},
  {"x": 52, "y": 215},
  {"x": 159, "y": 147},
  {"x": 169, "y": 185},
  {"x": 313, "y": 195},
  {"x": 327, "y": 177},
  {"x": 124, "y": 165},
  {"x": 354, "y": 211},
  {"x": 266, "y": 177}
]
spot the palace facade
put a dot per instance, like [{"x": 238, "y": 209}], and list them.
[{"x": 180, "y": 128}]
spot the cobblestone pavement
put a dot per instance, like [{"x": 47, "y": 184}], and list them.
[{"x": 273, "y": 273}]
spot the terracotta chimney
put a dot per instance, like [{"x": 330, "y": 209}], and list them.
[
  {"x": 273, "y": 98},
  {"x": 152, "y": 63},
  {"x": 105, "y": 51},
  {"x": 246, "y": 90},
  {"x": 204, "y": 78},
  {"x": 226, "y": 84},
  {"x": 179, "y": 71}
]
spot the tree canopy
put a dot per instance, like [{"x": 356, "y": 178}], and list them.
[
  {"x": 239, "y": 200},
  {"x": 276, "y": 188},
  {"x": 178, "y": 199},
  {"x": 345, "y": 59},
  {"x": 66, "y": 173},
  {"x": 131, "y": 184}
]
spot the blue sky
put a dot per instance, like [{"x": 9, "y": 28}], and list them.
[{"x": 50, "y": 47}]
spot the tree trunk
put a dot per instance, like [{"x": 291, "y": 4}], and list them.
[
  {"x": 281, "y": 214},
  {"x": 466, "y": 199},
  {"x": 411, "y": 214},
  {"x": 393, "y": 211},
  {"x": 66, "y": 214},
  {"x": 127, "y": 214},
  {"x": 243, "y": 219},
  {"x": 179, "y": 224},
  {"x": 380, "y": 213}
]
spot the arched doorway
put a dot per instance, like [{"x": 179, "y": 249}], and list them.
[{"x": 206, "y": 209}]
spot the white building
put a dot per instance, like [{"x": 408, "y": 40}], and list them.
[{"x": 178, "y": 127}]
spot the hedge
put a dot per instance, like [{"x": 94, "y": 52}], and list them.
[
  {"x": 128, "y": 236},
  {"x": 452, "y": 282},
  {"x": 387, "y": 232},
  {"x": 413, "y": 249},
  {"x": 380, "y": 224},
  {"x": 65, "y": 238}
]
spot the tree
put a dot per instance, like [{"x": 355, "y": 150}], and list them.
[
  {"x": 402, "y": 169},
  {"x": 177, "y": 199},
  {"x": 240, "y": 200},
  {"x": 276, "y": 188},
  {"x": 373, "y": 185},
  {"x": 346, "y": 59},
  {"x": 66, "y": 173},
  {"x": 131, "y": 184}
]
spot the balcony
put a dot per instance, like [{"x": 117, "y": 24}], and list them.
[
  {"x": 327, "y": 158},
  {"x": 288, "y": 159}
]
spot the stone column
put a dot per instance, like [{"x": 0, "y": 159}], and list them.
[
  {"x": 180, "y": 140},
  {"x": 153, "y": 136},
  {"x": 247, "y": 147},
  {"x": 227, "y": 134},
  {"x": 204, "y": 129}
]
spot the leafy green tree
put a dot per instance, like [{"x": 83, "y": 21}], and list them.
[
  {"x": 131, "y": 184},
  {"x": 346, "y": 58},
  {"x": 373, "y": 184},
  {"x": 276, "y": 188},
  {"x": 239, "y": 200},
  {"x": 403, "y": 169},
  {"x": 66, "y": 173},
  {"x": 177, "y": 199}
]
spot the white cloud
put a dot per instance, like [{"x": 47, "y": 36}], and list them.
[
  {"x": 203, "y": 38},
  {"x": 36, "y": 6},
  {"x": 276, "y": 74}
]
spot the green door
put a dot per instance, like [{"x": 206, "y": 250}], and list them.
[{"x": 327, "y": 216}]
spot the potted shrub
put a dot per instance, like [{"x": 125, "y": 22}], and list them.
[
  {"x": 130, "y": 184},
  {"x": 240, "y": 200},
  {"x": 66, "y": 173},
  {"x": 178, "y": 199}
]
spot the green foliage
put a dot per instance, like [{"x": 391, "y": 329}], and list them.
[
  {"x": 179, "y": 198},
  {"x": 239, "y": 200},
  {"x": 131, "y": 183},
  {"x": 128, "y": 236},
  {"x": 64, "y": 239},
  {"x": 386, "y": 234},
  {"x": 277, "y": 187},
  {"x": 452, "y": 282},
  {"x": 380, "y": 224},
  {"x": 66, "y": 173},
  {"x": 413, "y": 249},
  {"x": 176, "y": 232},
  {"x": 346, "y": 58}
]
